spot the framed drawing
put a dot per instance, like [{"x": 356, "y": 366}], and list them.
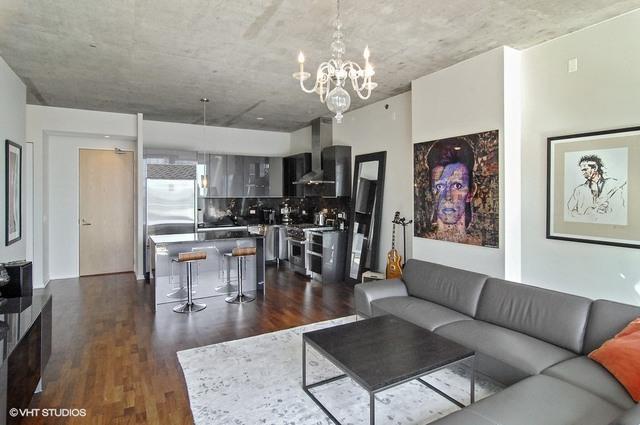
[
  {"x": 592, "y": 187},
  {"x": 456, "y": 192},
  {"x": 13, "y": 192}
]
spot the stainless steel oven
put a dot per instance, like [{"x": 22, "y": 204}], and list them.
[
  {"x": 297, "y": 254},
  {"x": 314, "y": 249}
]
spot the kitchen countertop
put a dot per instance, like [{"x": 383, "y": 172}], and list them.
[{"x": 210, "y": 235}]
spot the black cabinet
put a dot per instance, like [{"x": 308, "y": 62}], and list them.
[
  {"x": 20, "y": 281},
  {"x": 294, "y": 167},
  {"x": 336, "y": 165}
]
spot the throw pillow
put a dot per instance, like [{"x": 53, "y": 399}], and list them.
[{"x": 621, "y": 357}]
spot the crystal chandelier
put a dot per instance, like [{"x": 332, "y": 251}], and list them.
[{"x": 335, "y": 72}]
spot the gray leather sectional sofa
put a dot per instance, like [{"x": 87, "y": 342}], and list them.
[{"x": 533, "y": 340}]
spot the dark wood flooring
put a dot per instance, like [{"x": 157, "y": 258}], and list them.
[{"x": 117, "y": 359}]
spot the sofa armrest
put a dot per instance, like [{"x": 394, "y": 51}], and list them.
[
  {"x": 630, "y": 417},
  {"x": 366, "y": 293}
]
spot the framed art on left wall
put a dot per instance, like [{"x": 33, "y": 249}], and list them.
[{"x": 13, "y": 192}]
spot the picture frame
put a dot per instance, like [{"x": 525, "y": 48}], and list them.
[
  {"x": 456, "y": 189},
  {"x": 13, "y": 192},
  {"x": 592, "y": 181}
]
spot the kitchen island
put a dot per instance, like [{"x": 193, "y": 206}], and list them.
[{"x": 215, "y": 276}]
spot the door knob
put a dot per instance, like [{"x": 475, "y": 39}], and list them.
[{"x": 85, "y": 222}]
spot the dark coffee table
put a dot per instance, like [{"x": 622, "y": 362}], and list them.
[{"x": 381, "y": 353}]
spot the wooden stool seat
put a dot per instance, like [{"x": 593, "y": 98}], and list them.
[
  {"x": 183, "y": 257},
  {"x": 241, "y": 254},
  {"x": 189, "y": 258}
]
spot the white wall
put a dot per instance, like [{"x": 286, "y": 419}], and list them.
[
  {"x": 13, "y": 98},
  {"x": 466, "y": 98},
  {"x": 64, "y": 192},
  {"x": 192, "y": 137},
  {"x": 42, "y": 123},
  {"x": 374, "y": 129},
  {"x": 300, "y": 141},
  {"x": 603, "y": 94}
]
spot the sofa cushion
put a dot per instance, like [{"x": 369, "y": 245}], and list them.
[
  {"x": 516, "y": 349},
  {"x": 551, "y": 316},
  {"x": 418, "y": 311},
  {"x": 534, "y": 401},
  {"x": 630, "y": 417},
  {"x": 366, "y": 293},
  {"x": 589, "y": 375},
  {"x": 447, "y": 286},
  {"x": 606, "y": 319}
]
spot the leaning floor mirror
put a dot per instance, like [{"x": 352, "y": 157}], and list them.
[{"x": 366, "y": 213}]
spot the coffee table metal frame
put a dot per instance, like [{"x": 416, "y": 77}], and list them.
[{"x": 372, "y": 412}]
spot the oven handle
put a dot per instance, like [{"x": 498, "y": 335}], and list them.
[
  {"x": 317, "y": 254},
  {"x": 297, "y": 242}
]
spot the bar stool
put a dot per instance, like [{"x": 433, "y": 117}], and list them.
[
  {"x": 189, "y": 258},
  {"x": 224, "y": 264},
  {"x": 241, "y": 254}
]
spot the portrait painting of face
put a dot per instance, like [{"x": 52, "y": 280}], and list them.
[{"x": 456, "y": 189}]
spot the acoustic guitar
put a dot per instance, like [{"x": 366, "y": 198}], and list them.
[{"x": 394, "y": 260}]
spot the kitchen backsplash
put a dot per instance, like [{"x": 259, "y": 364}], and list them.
[{"x": 213, "y": 210}]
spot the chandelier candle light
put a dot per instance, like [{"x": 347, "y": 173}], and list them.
[{"x": 335, "y": 72}]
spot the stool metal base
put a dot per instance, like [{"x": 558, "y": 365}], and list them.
[
  {"x": 189, "y": 308},
  {"x": 239, "y": 299}
]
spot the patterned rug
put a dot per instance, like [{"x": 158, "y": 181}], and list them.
[{"x": 258, "y": 380}]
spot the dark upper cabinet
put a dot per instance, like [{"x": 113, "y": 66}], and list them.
[
  {"x": 336, "y": 166},
  {"x": 293, "y": 168}
]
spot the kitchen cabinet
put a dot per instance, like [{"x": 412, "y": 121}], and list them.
[
  {"x": 235, "y": 176},
  {"x": 336, "y": 165},
  {"x": 256, "y": 176},
  {"x": 294, "y": 167},
  {"x": 212, "y": 175},
  {"x": 275, "y": 177}
]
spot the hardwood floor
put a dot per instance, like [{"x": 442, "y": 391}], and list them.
[{"x": 117, "y": 359}]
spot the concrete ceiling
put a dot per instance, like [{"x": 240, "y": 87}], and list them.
[{"x": 159, "y": 57}]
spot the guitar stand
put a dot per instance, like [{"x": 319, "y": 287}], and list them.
[{"x": 404, "y": 223}]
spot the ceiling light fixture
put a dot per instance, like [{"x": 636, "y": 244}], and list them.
[
  {"x": 335, "y": 72},
  {"x": 259, "y": 118}
]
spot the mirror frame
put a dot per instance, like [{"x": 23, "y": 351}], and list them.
[{"x": 374, "y": 246}]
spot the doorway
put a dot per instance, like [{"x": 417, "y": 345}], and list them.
[{"x": 107, "y": 212}]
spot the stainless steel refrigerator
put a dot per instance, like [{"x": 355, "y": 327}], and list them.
[{"x": 170, "y": 201}]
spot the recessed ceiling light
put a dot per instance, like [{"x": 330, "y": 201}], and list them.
[
  {"x": 106, "y": 137},
  {"x": 259, "y": 118}
]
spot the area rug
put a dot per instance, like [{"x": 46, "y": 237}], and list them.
[{"x": 258, "y": 380}]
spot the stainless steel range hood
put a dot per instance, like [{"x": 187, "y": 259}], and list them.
[{"x": 321, "y": 137}]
